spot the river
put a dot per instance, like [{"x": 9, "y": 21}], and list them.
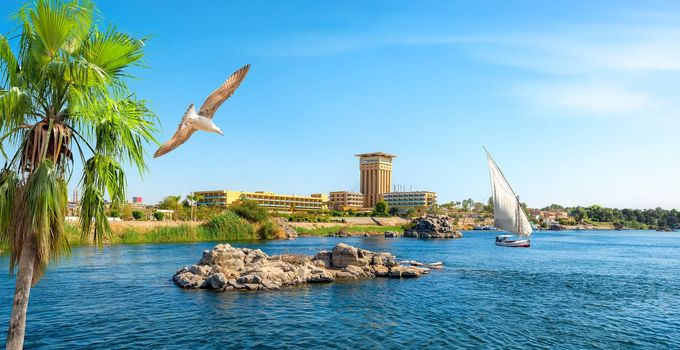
[{"x": 587, "y": 289}]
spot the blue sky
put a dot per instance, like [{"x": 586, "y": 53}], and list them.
[{"x": 578, "y": 101}]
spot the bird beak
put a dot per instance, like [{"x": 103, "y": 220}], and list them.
[{"x": 220, "y": 132}]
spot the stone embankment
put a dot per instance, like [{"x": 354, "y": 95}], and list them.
[
  {"x": 432, "y": 226},
  {"x": 227, "y": 268}
]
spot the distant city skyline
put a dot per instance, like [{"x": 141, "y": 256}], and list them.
[{"x": 577, "y": 101}]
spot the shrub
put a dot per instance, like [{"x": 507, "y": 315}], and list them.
[
  {"x": 137, "y": 214},
  {"x": 158, "y": 216},
  {"x": 269, "y": 230},
  {"x": 228, "y": 226},
  {"x": 250, "y": 211},
  {"x": 381, "y": 208}
]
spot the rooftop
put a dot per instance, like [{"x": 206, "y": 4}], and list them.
[{"x": 375, "y": 154}]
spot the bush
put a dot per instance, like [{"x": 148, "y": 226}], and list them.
[
  {"x": 250, "y": 211},
  {"x": 567, "y": 222},
  {"x": 114, "y": 213},
  {"x": 269, "y": 230},
  {"x": 228, "y": 226},
  {"x": 137, "y": 214},
  {"x": 158, "y": 216},
  {"x": 381, "y": 208}
]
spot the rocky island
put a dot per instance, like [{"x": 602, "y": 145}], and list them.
[
  {"x": 227, "y": 268},
  {"x": 432, "y": 226}
]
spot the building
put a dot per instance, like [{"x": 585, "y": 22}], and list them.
[
  {"x": 376, "y": 176},
  {"x": 411, "y": 199},
  {"x": 269, "y": 200},
  {"x": 346, "y": 200}
]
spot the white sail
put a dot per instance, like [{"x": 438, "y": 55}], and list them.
[{"x": 507, "y": 213}]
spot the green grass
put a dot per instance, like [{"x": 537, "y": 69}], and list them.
[
  {"x": 224, "y": 227},
  {"x": 325, "y": 231}
]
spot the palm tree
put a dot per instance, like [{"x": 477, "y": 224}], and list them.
[
  {"x": 193, "y": 199},
  {"x": 63, "y": 92}
]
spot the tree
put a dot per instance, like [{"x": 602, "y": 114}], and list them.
[
  {"x": 467, "y": 204},
  {"x": 393, "y": 211},
  {"x": 63, "y": 96},
  {"x": 193, "y": 199},
  {"x": 137, "y": 214},
  {"x": 579, "y": 214},
  {"x": 170, "y": 203},
  {"x": 489, "y": 205},
  {"x": 249, "y": 210},
  {"x": 126, "y": 211},
  {"x": 381, "y": 208},
  {"x": 158, "y": 215}
]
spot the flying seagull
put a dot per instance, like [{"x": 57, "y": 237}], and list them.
[{"x": 192, "y": 121}]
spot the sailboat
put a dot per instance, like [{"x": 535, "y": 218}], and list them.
[{"x": 507, "y": 211}]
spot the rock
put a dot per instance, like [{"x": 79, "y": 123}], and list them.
[
  {"x": 405, "y": 272},
  {"x": 341, "y": 233},
  {"x": 322, "y": 259},
  {"x": 252, "y": 286},
  {"x": 201, "y": 270},
  {"x": 226, "y": 268},
  {"x": 393, "y": 234},
  {"x": 344, "y": 255},
  {"x": 381, "y": 270},
  {"x": 432, "y": 226},
  {"x": 249, "y": 279},
  {"x": 188, "y": 280},
  {"x": 216, "y": 281},
  {"x": 319, "y": 276},
  {"x": 288, "y": 230},
  {"x": 436, "y": 265}
]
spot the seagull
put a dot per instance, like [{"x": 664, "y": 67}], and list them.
[{"x": 192, "y": 121}]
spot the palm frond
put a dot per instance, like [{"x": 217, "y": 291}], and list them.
[
  {"x": 53, "y": 27},
  {"x": 15, "y": 107},
  {"x": 9, "y": 66},
  {"x": 9, "y": 181},
  {"x": 112, "y": 51},
  {"x": 38, "y": 218}
]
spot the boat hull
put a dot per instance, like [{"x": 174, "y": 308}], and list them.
[{"x": 514, "y": 243}]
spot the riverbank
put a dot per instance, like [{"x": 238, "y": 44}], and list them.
[{"x": 231, "y": 228}]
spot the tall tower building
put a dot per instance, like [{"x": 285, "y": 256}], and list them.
[{"x": 376, "y": 176}]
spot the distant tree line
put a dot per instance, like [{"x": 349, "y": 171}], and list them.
[{"x": 633, "y": 218}]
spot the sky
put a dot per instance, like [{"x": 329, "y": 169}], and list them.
[{"x": 578, "y": 101}]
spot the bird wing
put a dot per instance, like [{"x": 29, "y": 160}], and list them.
[
  {"x": 215, "y": 100},
  {"x": 184, "y": 131}
]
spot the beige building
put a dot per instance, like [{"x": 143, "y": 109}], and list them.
[
  {"x": 376, "y": 176},
  {"x": 269, "y": 200},
  {"x": 411, "y": 199},
  {"x": 345, "y": 200}
]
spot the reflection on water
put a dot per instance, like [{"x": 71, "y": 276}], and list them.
[{"x": 570, "y": 290}]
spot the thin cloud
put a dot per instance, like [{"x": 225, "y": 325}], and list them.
[{"x": 585, "y": 100}]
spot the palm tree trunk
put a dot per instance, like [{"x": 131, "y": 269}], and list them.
[{"x": 17, "y": 324}]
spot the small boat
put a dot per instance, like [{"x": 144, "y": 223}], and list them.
[
  {"x": 507, "y": 211},
  {"x": 508, "y": 241}
]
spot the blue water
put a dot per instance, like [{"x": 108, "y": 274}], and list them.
[{"x": 604, "y": 290}]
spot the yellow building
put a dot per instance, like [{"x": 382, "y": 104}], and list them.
[
  {"x": 411, "y": 199},
  {"x": 269, "y": 200},
  {"x": 376, "y": 176},
  {"x": 346, "y": 200}
]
